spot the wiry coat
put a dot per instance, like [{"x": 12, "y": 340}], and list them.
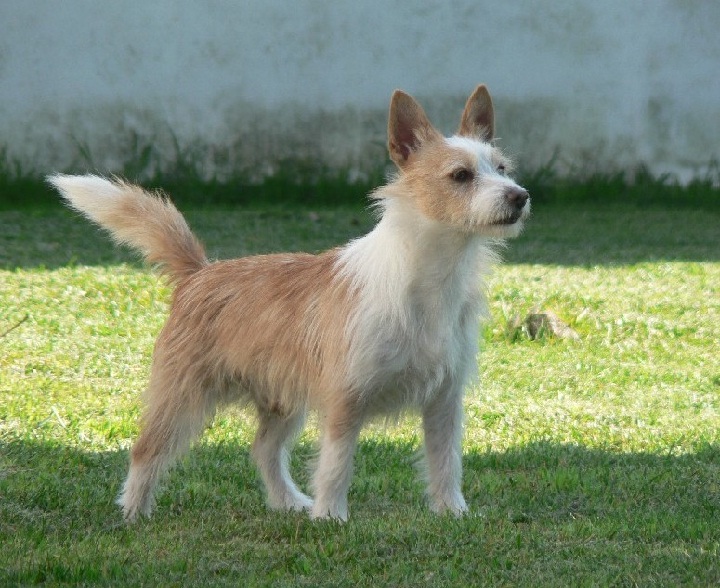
[{"x": 387, "y": 322}]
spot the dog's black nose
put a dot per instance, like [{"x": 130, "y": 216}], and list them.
[{"x": 517, "y": 197}]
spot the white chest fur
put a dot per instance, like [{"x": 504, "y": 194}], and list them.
[{"x": 419, "y": 299}]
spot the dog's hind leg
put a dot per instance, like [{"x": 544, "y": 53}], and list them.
[
  {"x": 174, "y": 417},
  {"x": 271, "y": 453}
]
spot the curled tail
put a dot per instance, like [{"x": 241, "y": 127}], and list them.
[{"x": 147, "y": 222}]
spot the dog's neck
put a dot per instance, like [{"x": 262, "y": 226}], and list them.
[{"x": 409, "y": 259}]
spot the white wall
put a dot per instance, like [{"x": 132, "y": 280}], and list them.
[{"x": 250, "y": 82}]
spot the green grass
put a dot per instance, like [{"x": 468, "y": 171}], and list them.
[{"x": 591, "y": 462}]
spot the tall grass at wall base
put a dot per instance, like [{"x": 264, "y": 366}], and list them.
[
  {"x": 305, "y": 182},
  {"x": 638, "y": 186},
  {"x": 296, "y": 184}
]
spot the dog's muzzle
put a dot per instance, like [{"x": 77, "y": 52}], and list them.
[{"x": 515, "y": 200}]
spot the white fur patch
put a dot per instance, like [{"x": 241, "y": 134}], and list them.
[
  {"x": 481, "y": 152},
  {"x": 415, "y": 328},
  {"x": 91, "y": 195}
]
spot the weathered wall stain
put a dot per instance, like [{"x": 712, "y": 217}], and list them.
[{"x": 245, "y": 86}]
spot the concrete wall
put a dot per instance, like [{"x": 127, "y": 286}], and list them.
[{"x": 252, "y": 82}]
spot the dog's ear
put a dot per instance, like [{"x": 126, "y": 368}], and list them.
[
  {"x": 478, "y": 119},
  {"x": 408, "y": 128}
]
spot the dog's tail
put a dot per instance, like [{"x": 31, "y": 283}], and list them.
[{"x": 147, "y": 222}]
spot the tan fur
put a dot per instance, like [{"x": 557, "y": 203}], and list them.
[
  {"x": 478, "y": 119},
  {"x": 263, "y": 321},
  {"x": 256, "y": 328},
  {"x": 408, "y": 129},
  {"x": 385, "y": 323},
  {"x": 148, "y": 222}
]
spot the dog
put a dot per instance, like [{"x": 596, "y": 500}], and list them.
[{"x": 386, "y": 323}]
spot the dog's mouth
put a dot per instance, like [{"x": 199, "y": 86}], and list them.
[{"x": 510, "y": 219}]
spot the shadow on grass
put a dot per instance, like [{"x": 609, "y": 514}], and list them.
[
  {"x": 616, "y": 234},
  {"x": 587, "y": 513},
  {"x": 58, "y": 238},
  {"x": 48, "y": 485},
  {"x": 578, "y": 235}
]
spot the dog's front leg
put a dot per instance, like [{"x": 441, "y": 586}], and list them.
[
  {"x": 334, "y": 468},
  {"x": 443, "y": 428}
]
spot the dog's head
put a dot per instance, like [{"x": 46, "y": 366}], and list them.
[{"x": 461, "y": 181}]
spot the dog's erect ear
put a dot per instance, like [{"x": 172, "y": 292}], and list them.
[
  {"x": 408, "y": 128},
  {"x": 478, "y": 119}
]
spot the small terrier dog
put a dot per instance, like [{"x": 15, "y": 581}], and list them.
[{"x": 388, "y": 322}]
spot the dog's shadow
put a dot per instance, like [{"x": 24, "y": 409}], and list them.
[{"x": 43, "y": 484}]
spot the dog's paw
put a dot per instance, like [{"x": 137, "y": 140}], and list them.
[
  {"x": 291, "y": 501},
  {"x": 329, "y": 512},
  {"x": 133, "y": 510},
  {"x": 454, "y": 505},
  {"x": 132, "y": 514},
  {"x": 299, "y": 502}
]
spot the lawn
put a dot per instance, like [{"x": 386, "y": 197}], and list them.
[{"x": 587, "y": 462}]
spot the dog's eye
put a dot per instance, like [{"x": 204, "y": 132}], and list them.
[
  {"x": 462, "y": 175},
  {"x": 501, "y": 168}
]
